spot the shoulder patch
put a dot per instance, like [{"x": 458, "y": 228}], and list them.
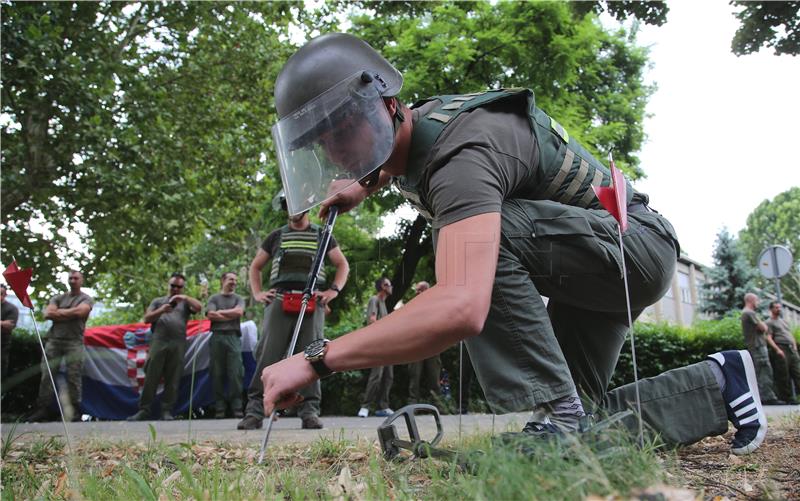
[{"x": 560, "y": 130}]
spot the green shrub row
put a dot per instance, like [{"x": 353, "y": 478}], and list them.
[{"x": 659, "y": 347}]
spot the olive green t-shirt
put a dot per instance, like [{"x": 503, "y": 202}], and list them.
[
  {"x": 170, "y": 325},
  {"x": 72, "y": 328},
  {"x": 225, "y": 302},
  {"x": 377, "y": 307},
  {"x": 780, "y": 331},
  {"x": 484, "y": 157},
  {"x": 753, "y": 338}
]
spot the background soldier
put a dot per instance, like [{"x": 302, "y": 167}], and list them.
[
  {"x": 510, "y": 198},
  {"x": 292, "y": 249},
  {"x": 786, "y": 362},
  {"x": 68, "y": 312},
  {"x": 756, "y": 340},
  {"x": 225, "y": 311},
  {"x": 424, "y": 374},
  {"x": 165, "y": 358},
  {"x": 9, "y": 314},
  {"x": 380, "y": 379}
]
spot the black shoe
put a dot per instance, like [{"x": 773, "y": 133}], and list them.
[
  {"x": 250, "y": 423},
  {"x": 742, "y": 400},
  {"x": 40, "y": 415},
  {"x": 167, "y": 416},
  {"x": 532, "y": 432},
  {"x": 311, "y": 423},
  {"x": 142, "y": 415}
]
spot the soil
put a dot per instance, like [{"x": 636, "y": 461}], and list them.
[{"x": 771, "y": 472}]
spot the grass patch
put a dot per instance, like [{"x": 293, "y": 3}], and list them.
[{"x": 330, "y": 468}]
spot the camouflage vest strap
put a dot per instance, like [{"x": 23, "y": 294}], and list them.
[
  {"x": 295, "y": 256},
  {"x": 428, "y": 129},
  {"x": 569, "y": 170}
]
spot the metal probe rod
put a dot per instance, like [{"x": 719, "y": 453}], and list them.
[{"x": 307, "y": 293}]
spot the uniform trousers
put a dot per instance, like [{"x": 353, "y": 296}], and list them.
[
  {"x": 226, "y": 367},
  {"x": 379, "y": 385},
  {"x": 529, "y": 353},
  {"x": 165, "y": 359},
  {"x": 766, "y": 386},
  {"x": 276, "y": 335},
  {"x": 786, "y": 370},
  {"x": 71, "y": 352},
  {"x": 423, "y": 379}
]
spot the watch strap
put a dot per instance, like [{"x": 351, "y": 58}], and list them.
[{"x": 321, "y": 369}]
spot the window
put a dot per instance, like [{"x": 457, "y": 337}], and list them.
[{"x": 683, "y": 283}]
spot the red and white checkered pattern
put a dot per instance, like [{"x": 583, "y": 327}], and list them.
[{"x": 137, "y": 356}]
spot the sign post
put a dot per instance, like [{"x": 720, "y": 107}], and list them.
[{"x": 774, "y": 262}]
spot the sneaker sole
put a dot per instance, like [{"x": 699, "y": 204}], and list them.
[{"x": 752, "y": 382}]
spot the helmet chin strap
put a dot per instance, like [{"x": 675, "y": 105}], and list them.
[{"x": 371, "y": 179}]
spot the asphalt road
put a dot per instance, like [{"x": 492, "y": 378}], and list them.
[{"x": 285, "y": 430}]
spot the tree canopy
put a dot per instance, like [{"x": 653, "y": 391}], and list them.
[
  {"x": 775, "y": 222},
  {"x": 767, "y": 24},
  {"x": 144, "y": 128}
]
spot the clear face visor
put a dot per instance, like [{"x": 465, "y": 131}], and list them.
[{"x": 331, "y": 142}]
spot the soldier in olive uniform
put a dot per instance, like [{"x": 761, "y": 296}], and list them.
[
  {"x": 292, "y": 249},
  {"x": 756, "y": 338},
  {"x": 68, "y": 312},
  {"x": 379, "y": 383},
  {"x": 509, "y": 195},
  {"x": 785, "y": 360},
  {"x": 225, "y": 311},
  {"x": 168, "y": 316}
]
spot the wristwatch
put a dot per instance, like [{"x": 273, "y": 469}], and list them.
[
  {"x": 315, "y": 354},
  {"x": 336, "y": 288}
]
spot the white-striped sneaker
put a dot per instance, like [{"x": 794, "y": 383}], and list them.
[{"x": 742, "y": 400}]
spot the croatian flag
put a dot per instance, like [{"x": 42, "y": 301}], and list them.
[{"x": 113, "y": 371}]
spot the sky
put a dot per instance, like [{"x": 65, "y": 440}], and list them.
[{"x": 722, "y": 127}]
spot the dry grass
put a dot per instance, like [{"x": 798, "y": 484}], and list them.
[{"x": 772, "y": 472}]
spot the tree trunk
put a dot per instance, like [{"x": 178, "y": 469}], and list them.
[{"x": 414, "y": 249}]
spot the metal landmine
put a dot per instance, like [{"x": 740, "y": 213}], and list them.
[{"x": 392, "y": 444}]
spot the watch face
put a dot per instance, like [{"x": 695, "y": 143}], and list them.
[{"x": 315, "y": 349}]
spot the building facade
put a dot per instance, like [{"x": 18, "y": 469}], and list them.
[{"x": 681, "y": 303}]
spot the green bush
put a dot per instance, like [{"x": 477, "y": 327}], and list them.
[{"x": 661, "y": 346}]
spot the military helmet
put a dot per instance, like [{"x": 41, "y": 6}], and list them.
[
  {"x": 334, "y": 128},
  {"x": 324, "y": 62}
]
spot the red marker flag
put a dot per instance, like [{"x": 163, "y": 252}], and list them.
[
  {"x": 19, "y": 280},
  {"x": 614, "y": 198}
]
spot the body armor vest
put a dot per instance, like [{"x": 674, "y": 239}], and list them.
[
  {"x": 295, "y": 257},
  {"x": 569, "y": 170}
]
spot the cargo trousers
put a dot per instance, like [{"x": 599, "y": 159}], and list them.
[
  {"x": 785, "y": 370},
  {"x": 530, "y": 353},
  {"x": 226, "y": 367},
  {"x": 165, "y": 359},
  {"x": 276, "y": 335},
  {"x": 71, "y": 352},
  {"x": 423, "y": 379},
  {"x": 766, "y": 386}
]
